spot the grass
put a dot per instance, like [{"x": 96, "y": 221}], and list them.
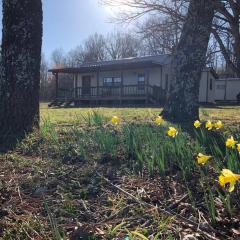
[
  {"x": 71, "y": 115},
  {"x": 62, "y": 159},
  {"x": 228, "y": 114}
]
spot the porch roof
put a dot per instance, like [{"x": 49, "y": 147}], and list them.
[{"x": 120, "y": 64}]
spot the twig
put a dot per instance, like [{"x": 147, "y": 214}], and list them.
[
  {"x": 116, "y": 214},
  {"x": 193, "y": 225},
  {"x": 25, "y": 231},
  {"x": 178, "y": 202},
  {"x": 19, "y": 194}
]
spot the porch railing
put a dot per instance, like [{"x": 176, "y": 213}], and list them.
[{"x": 111, "y": 91}]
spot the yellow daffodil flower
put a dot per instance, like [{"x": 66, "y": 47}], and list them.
[
  {"x": 197, "y": 124},
  {"x": 231, "y": 142},
  {"x": 115, "y": 120},
  {"x": 209, "y": 125},
  {"x": 238, "y": 147},
  {"x": 172, "y": 132},
  {"x": 159, "y": 120},
  {"x": 218, "y": 124},
  {"x": 202, "y": 159},
  {"x": 228, "y": 177}
]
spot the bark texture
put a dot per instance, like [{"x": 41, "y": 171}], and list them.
[
  {"x": 20, "y": 67},
  {"x": 188, "y": 61}
]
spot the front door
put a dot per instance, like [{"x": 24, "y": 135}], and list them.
[{"x": 86, "y": 85}]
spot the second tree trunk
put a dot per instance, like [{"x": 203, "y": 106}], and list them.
[{"x": 188, "y": 62}]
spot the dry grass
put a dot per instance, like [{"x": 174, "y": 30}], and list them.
[{"x": 230, "y": 115}]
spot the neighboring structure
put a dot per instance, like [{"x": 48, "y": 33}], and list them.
[
  {"x": 143, "y": 80},
  {"x": 227, "y": 89}
]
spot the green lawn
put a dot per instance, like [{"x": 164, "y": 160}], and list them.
[{"x": 230, "y": 115}]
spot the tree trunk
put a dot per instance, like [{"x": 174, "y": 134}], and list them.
[
  {"x": 236, "y": 46},
  {"x": 20, "y": 67},
  {"x": 188, "y": 61}
]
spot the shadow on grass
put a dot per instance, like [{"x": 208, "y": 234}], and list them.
[
  {"x": 220, "y": 106},
  {"x": 107, "y": 106}
]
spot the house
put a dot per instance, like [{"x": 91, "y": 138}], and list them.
[
  {"x": 227, "y": 89},
  {"x": 138, "y": 80}
]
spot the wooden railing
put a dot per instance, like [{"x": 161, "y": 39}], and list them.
[
  {"x": 112, "y": 91},
  {"x": 65, "y": 93}
]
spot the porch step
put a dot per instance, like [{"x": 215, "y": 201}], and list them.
[
  {"x": 56, "y": 103},
  {"x": 53, "y": 103},
  {"x": 227, "y": 102},
  {"x": 60, "y": 103},
  {"x": 68, "y": 103}
]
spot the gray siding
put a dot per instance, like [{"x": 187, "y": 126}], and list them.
[
  {"x": 156, "y": 76},
  {"x": 130, "y": 77},
  {"x": 227, "y": 89}
]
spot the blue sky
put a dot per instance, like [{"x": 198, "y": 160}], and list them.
[{"x": 67, "y": 23}]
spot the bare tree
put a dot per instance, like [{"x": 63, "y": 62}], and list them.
[
  {"x": 122, "y": 45},
  {"x": 58, "y": 58},
  {"x": 187, "y": 63},
  {"x": 75, "y": 57},
  {"x": 159, "y": 34},
  {"x": 98, "y": 47},
  {"x": 226, "y": 30},
  {"x": 225, "y": 27},
  {"x": 44, "y": 81},
  {"x": 94, "y": 48},
  {"x": 20, "y": 68},
  {"x": 175, "y": 8}
]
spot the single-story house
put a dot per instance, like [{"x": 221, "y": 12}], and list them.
[
  {"x": 131, "y": 80},
  {"x": 227, "y": 89}
]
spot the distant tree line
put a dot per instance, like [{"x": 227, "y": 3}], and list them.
[{"x": 97, "y": 47}]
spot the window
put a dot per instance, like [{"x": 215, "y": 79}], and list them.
[
  {"x": 141, "y": 81},
  {"x": 210, "y": 87},
  {"x": 107, "y": 81},
  {"x": 220, "y": 86},
  {"x": 112, "y": 81},
  {"x": 117, "y": 81}
]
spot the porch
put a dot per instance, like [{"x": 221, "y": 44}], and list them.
[
  {"x": 130, "y": 81},
  {"x": 143, "y": 94}
]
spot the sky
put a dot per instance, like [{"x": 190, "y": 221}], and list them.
[{"x": 67, "y": 23}]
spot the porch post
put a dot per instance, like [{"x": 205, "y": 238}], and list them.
[
  {"x": 56, "y": 79},
  {"x": 75, "y": 85},
  {"x": 122, "y": 92},
  {"x": 97, "y": 97},
  {"x": 225, "y": 89},
  {"x": 147, "y": 88}
]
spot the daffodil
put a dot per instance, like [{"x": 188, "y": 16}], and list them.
[
  {"x": 197, "y": 124},
  {"x": 228, "y": 177},
  {"x": 172, "y": 132},
  {"x": 238, "y": 147},
  {"x": 218, "y": 124},
  {"x": 231, "y": 142},
  {"x": 115, "y": 120},
  {"x": 202, "y": 159},
  {"x": 159, "y": 120},
  {"x": 209, "y": 125}
]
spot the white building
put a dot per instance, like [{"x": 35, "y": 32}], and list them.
[
  {"x": 132, "y": 80},
  {"x": 227, "y": 89}
]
